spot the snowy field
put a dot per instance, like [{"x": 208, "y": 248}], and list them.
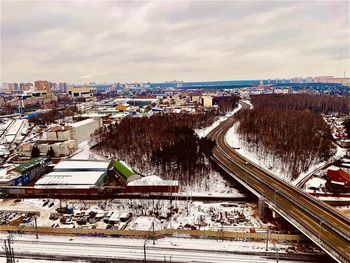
[{"x": 229, "y": 216}]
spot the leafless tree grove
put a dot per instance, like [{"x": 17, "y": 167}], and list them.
[
  {"x": 291, "y": 128},
  {"x": 163, "y": 144}
]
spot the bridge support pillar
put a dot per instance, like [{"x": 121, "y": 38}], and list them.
[
  {"x": 262, "y": 208},
  {"x": 275, "y": 214}
]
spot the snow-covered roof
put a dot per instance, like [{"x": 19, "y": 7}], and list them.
[
  {"x": 82, "y": 165},
  {"x": 337, "y": 182},
  {"x": 333, "y": 168},
  {"x": 315, "y": 182},
  {"x": 153, "y": 180},
  {"x": 80, "y": 123},
  {"x": 68, "y": 179},
  {"x": 114, "y": 217},
  {"x": 74, "y": 174},
  {"x": 6, "y": 177}
]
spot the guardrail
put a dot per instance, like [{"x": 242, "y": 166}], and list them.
[
  {"x": 157, "y": 233},
  {"x": 323, "y": 244},
  {"x": 311, "y": 198},
  {"x": 304, "y": 229}
]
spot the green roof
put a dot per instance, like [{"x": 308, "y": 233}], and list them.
[
  {"x": 123, "y": 170},
  {"x": 32, "y": 163}
]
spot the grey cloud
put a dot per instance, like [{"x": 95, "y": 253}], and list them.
[{"x": 157, "y": 41}]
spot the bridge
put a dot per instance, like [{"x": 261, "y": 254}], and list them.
[{"x": 317, "y": 220}]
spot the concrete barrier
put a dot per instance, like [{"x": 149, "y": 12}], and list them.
[{"x": 157, "y": 233}]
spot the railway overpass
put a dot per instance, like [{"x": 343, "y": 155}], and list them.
[{"x": 317, "y": 220}]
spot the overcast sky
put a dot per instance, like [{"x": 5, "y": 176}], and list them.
[{"x": 82, "y": 41}]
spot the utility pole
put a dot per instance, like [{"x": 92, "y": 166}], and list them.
[
  {"x": 154, "y": 242},
  {"x": 10, "y": 255},
  {"x": 36, "y": 226},
  {"x": 267, "y": 238}
]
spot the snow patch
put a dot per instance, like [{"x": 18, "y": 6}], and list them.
[{"x": 205, "y": 131}]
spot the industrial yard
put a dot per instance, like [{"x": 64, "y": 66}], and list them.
[{"x": 138, "y": 214}]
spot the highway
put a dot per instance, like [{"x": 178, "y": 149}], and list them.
[{"x": 318, "y": 221}]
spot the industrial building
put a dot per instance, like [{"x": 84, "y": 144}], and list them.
[
  {"x": 83, "y": 129},
  {"x": 75, "y": 174},
  {"x": 60, "y": 148},
  {"x": 338, "y": 180},
  {"x": 24, "y": 173},
  {"x": 79, "y": 131},
  {"x": 125, "y": 174},
  {"x": 82, "y": 92}
]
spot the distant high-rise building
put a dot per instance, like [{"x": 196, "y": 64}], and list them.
[
  {"x": 309, "y": 79},
  {"x": 25, "y": 86},
  {"x": 12, "y": 87},
  {"x": 42, "y": 85},
  {"x": 63, "y": 86},
  {"x": 331, "y": 79},
  {"x": 323, "y": 78}
]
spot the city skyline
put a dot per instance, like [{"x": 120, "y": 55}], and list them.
[{"x": 79, "y": 42}]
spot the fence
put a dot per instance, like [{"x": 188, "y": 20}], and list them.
[{"x": 157, "y": 233}]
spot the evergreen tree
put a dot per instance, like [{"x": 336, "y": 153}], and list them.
[
  {"x": 51, "y": 152},
  {"x": 35, "y": 152}
]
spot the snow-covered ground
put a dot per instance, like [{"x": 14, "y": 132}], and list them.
[
  {"x": 212, "y": 184},
  {"x": 237, "y": 216},
  {"x": 167, "y": 249},
  {"x": 249, "y": 103},
  {"x": 205, "y": 131},
  {"x": 84, "y": 153},
  {"x": 269, "y": 162}
]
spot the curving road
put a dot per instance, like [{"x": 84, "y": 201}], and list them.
[{"x": 318, "y": 221}]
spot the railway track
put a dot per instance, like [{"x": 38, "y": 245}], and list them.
[{"x": 320, "y": 222}]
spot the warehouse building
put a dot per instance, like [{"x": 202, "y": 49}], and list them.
[
  {"x": 82, "y": 130},
  {"x": 81, "y": 92},
  {"x": 125, "y": 174},
  {"x": 79, "y": 131},
  {"x": 60, "y": 148},
  {"x": 73, "y": 174},
  {"x": 24, "y": 173}
]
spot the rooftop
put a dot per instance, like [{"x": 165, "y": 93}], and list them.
[
  {"x": 32, "y": 163},
  {"x": 153, "y": 180},
  {"x": 80, "y": 123},
  {"x": 82, "y": 165},
  {"x": 68, "y": 179},
  {"x": 123, "y": 169}
]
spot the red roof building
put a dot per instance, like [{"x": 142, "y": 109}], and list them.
[{"x": 338, "y": 180}]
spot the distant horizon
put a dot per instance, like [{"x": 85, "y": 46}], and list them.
[{"x": 167, "y": 81}]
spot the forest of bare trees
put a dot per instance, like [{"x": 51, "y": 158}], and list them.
[
  {"x": 315, "y": 103},
  {"x": 164, "y": 144},
  {"x": 291, "y": 128}
]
